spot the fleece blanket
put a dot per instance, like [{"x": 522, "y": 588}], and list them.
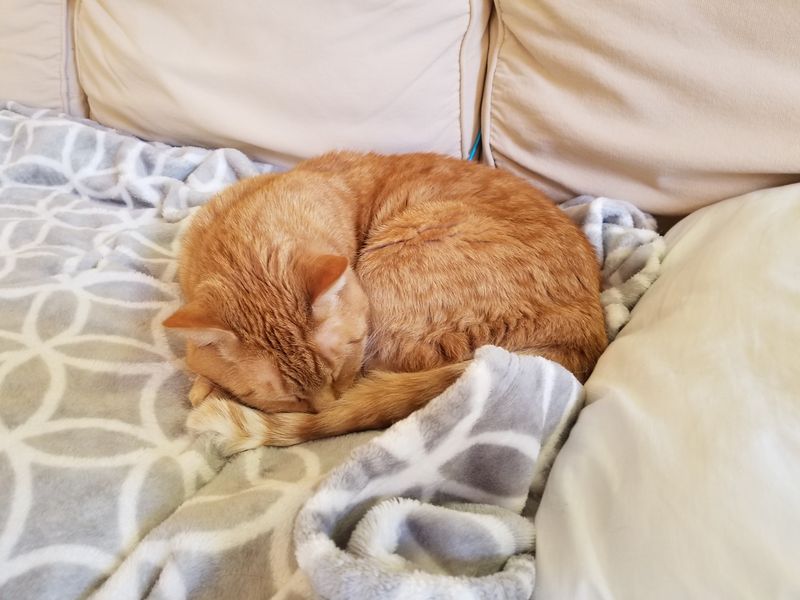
[
  {"x": 104, "y": 494},
  {"x": 464, "y": 466}
]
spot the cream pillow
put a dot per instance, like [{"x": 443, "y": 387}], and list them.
[
  {"x": 681, "y": 478},
  {"x": 670, "y": 105},
  {"x": 37, "y": 64},
  {"x": 286, "y": 80}
]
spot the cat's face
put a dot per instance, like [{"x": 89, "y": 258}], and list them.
[{"x": 291, "y": 339}]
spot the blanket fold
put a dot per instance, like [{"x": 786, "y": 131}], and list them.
[
  {"x": 628, "y": 247},
  {"x": 453, "y": 539},
  {"x": 480, "y": 442}
]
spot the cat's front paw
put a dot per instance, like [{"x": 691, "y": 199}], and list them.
[{"x": 201, "y": 388}]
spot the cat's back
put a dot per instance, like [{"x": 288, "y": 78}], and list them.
[
  {"x": 429, "y": 190},
  {"x": 423, "y": 178},
  {"x": 446, "y": 207},
  {"x": 461, "y": 255}
]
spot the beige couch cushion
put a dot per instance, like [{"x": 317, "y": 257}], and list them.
[
  {"x": 286, "y": 80},
  {"x": 37, "y": 65},
  {"x": 680, "y": 478},
  {"x": 671, "y": 105}
]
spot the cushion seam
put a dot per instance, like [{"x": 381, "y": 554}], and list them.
[
  {"x": 491, "y": 72},
  {"x": 62, "y": 76},
  {"x": 461, "y": 67}
]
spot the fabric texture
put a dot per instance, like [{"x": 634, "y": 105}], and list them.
[
  {"x": 106, "y": 496},
  {"x": 628, "y": 247},
  {"x": 680, "y": 477},
  {"x": 284, "y": 81},
  {"x": 670, "y": 105},
  {"x": 479, "y": 442},
  {"x": 37, "y": 61}
]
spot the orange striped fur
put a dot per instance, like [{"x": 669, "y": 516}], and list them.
[{"x": 348, "y": 292}]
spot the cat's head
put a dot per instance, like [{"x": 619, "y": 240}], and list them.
[{"x": 291, "y": 332}]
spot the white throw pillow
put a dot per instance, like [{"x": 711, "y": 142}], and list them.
[{"x": 681, "y": 478}]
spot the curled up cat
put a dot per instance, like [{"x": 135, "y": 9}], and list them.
[{"x": 348, "y": 292}]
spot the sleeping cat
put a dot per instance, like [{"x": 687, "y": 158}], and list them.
[{"x": 350, "y": 291}]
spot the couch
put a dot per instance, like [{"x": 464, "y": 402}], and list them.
[{"x": 680, "y": 477}]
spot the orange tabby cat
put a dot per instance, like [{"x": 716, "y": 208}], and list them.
[{"x": 353, "y": 289}]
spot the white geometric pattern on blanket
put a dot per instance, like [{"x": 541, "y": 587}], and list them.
[
  {"x": 155, "y": 443},
  {"x": 92, "y": 401},
  {"x": 481, "y": 441},
  {"x": 169, "y": 541}
]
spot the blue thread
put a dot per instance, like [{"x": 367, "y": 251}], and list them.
[{"x": 475, "y": 147}]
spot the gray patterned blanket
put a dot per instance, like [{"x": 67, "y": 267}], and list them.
[
  {"x": 437, "y": 499},
  {"x": 104, "y": 495}
]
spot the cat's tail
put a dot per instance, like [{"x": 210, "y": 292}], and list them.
[{"x": 374, "y": 402}]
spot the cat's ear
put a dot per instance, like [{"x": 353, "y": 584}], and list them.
[
  {"x": 198, "y": 324},
  {"x": 325, "y": 277}
]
